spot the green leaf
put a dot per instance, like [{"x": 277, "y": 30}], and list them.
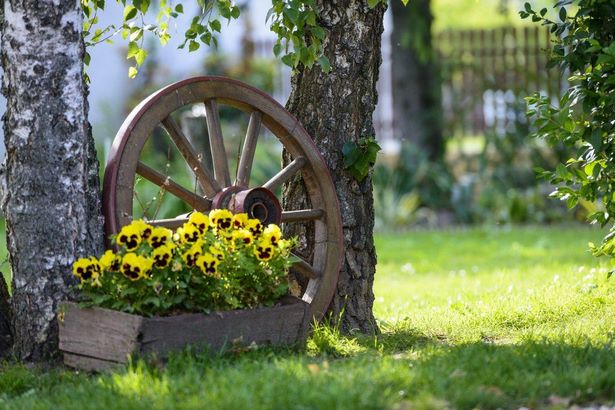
[
  {"x": 288, "y": 59},
  {"x": 562, "y": 14},
  {"x": 179, "y": 8},
  {"x": 132, "y": 72},
  {"x": 130, "y": 12},
  {"x": 235, "y": 12},
  {"x": 372, "y": 3},
  {"x": 215, "y": 25},
  {"x": 323, "y": 62},
  {"x": 193, "y": 45},
  {"x": 277, "y": 49},
  {"x": 140, "y": 57},
  {"x": 351, "y": 153},
  {"x": 318, "y": 32},
  {"x": 133, "y": 49}
]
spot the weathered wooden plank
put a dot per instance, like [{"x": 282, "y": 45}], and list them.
[
  {"x": 171, "y": 223},
  {"x": 305, "y": 268},
  {"x": 90, "y": 364},
  {"x": 285, "y": 174},
  {"x": 249, "y": 148},
  {"x": 302, "y": 215},
  {"x": 204, "y": 177},
  {"x": 216, "y": 142},
  {"x": 278, "y": 325},
  {"x": 101, "y": 333}
]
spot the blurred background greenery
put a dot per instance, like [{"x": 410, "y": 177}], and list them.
[{"x": 451, "y": 118}]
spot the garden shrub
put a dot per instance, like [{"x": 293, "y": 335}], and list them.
[{"x": 584, "y": 117}]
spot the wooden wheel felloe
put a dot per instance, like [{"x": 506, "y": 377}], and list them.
[{"x": 215, "y": 187}]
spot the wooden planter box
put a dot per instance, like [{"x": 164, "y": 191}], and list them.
[{"x": 97, "y": 339}]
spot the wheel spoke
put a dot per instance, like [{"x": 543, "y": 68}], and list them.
[
  {"x": 216, "y": 142},
  {"x": 285, "y": 174},
  {"x": 302, "y": 215},
  {"x": 172, "y": 223},
  {"x": 304, "y": 268},
  {"x": 204, "y": 177},
  {"x": 249, "y": 147},
  {"x": 195, "y": 201}
]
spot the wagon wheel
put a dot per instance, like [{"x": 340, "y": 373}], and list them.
[{"x": 218, "y": 190}]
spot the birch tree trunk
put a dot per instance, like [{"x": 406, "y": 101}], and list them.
[
  {"x": 334, "y": 108},
  {"x": 52, "y": 205}
]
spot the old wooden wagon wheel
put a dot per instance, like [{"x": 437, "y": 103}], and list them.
[{"x": 218, "y": 191}]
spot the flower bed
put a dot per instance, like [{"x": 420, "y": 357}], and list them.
[
  {"x": 218, "y": 279},
  {"x": 98, "y": 339}
]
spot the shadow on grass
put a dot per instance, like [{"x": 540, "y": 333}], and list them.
[{"x": 400, "y": 369}]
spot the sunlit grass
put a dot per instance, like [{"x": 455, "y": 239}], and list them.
[{"x": 470, "y": 318}]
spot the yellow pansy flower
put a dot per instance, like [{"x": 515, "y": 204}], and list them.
[
  {"x": 273, "y": 234},
  {"x": 199, "y": 220},
  {"x": 244, "y": 236},
  {"x": 135, "y": 266},
  {"x": 255, "y": 226},
  {"x": 208, "y": 264},
  {"x": 162, "y": 256},
  {"x": 263, "y": 250},
  {"x": 110, "y": 261},
  {"x": 221, "y": 219},
  {"x": 86, "y": 269},
  {"x": 145, "y": 230},
  {"x": 160, "y": 236},
  {"x": 217, "y": 252},
  {"x": 192, "y": 254},
  {"x": 240, "y": 220},
  {"x": 129, "y": 236},
  {"x": 188, "y": 233}
]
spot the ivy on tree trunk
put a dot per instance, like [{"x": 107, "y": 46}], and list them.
[
  {"x": 51, "y": 202},
  {"x": 335, "y": 108}
]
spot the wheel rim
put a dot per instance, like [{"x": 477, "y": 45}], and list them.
[{"x": 219, "y": 191}]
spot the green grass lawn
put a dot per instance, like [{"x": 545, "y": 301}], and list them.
[{"x": 476, "y": 318}]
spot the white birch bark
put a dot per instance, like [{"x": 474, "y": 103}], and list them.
[{"x": 51, "y": 205}]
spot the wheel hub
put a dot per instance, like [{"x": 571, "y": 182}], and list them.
[{"x": 258, "y": 203}]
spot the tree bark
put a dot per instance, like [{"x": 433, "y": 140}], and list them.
[
  {"x": 52, "y": 203},
  {"x": 334, "y": 108},
  {"x": 417, "y": 100}
]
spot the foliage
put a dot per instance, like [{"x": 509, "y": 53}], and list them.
[
  {"x": 583, "y": 118},
  {"x": 472, "y": 318},
  {"x": 407, "y": 188},
  {"x": 300, "y": 37},
  {"x": 216, "y": 262},
  {"x": 500, "y": 185},
  {"x": 360, "y": 157},
  {"x": 135, "y": 25}
]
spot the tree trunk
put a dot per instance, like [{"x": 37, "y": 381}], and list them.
[
  {"x": 52, "y": 204},
  {"x": 334, "y": 108},
  {"x": 417, "y": 100}
]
